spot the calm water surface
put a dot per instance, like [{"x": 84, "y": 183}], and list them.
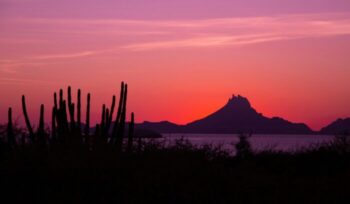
[{"x": 258, "y": 142}]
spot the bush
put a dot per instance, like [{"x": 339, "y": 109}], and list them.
[{"x": 243, "y": 147}]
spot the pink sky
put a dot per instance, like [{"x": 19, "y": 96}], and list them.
[{"x": 182, "y": 59}]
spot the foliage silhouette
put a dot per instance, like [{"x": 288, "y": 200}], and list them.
[{"x": 243, "y": 147}]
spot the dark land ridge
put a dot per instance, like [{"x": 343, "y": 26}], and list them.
[{"x": 238, "y": 116}]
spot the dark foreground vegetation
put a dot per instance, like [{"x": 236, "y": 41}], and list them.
[
  {"x": 180, "y": 173},
  {"x": 71, "y": 165}
]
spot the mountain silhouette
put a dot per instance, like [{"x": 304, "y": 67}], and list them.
[
  {"x": 339, "y": 126},
  {"x": 162, "y": 127},
  {"x": 236, "y": 116}
]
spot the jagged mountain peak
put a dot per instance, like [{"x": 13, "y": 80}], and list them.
[
  {"x": 238, "y": 102},
  {"x": 239, "y": 116},
  {"x": 235, "y": 117}
]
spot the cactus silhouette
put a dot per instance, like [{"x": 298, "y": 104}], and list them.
[
  {"x": 79, "y": 112},
  {"x": 103, "y": 120},
  {"x": 117, "y": 119},
  {"x": 64, "y": 121},
  {"x": 29, "y": 126},
  {"x": 53, "y": 118},
  {"x": 121, "y": 129},
  {"x": 53, "y": 124},
  {"x": 55, "y": 100},
  {"x": 11, "y": 140},
  {"x": 61, "y": 98},
  {"x": 66, "y": 126},
  {"x": 71, "y": 109},
  {"x": 87, "y": 119},
  {"x": 41, "y": 130},
  {"x": 109, "y": 116},
  {"x": 131, "y": 133},
  {"x": 106, "y": 129}
]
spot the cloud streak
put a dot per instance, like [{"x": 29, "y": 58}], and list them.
[
  {"x": 143, "y": 35},
  {"x": 210, "y": 41},
  {"x": 257, "y": 30},
  {"x": 65, "y": 56},
  {"x": 257, "y": 21}
]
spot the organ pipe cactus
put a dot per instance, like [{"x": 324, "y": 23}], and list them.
[
  {"x": 71, "y": 109},
  {"x": 11, "y": 140},
  {"x": 103, "y": 119},
  {"x": 53, "y": 124},
  {"x": 64, "y": 117},
  {"x": 110, "y": 116},
  {"x": 55, "y": 100},
  {"x": 66, "y": 126},
  {"x": 106, "y": 129},
  {"x": 61, "y": 98},
  {"x": 54, "y": 117},
  {"x": 123, "y": 116},
  {"x": 131, "y": 133},
  {"x": 27, "y": 121},
  {"x": 41, "y": 129},
  {"x": 117, "y": 119},
  {"x": 79, "y": 112},
  {"x": 87, "y": 119},
  {"x": 119, "y": 124}
]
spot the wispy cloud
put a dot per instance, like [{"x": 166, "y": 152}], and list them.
[
  {"x": 65, "y": 56},
  {"x": 258, "y": 21},
  {"x": 20, "y": 80},
  {"x": 209, "y": 41},
  {"x": 168, "y": 34},
  {"x": 279, "y": 31},
  {"x": 10, "y": 66}
]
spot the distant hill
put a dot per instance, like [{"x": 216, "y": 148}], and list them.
[
  {"x": 235, "y": 117},
  {"x": 339, "y": 126},
  {"x": 162, "y": 127}
]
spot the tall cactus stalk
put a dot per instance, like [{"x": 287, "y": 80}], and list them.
[
  {"x": 87, "y": 119},
  {"x": 117, "y": 119},
  {"x": 71, "y": 109},
  {"x": 55, "y": 100},
  {"x": 106, "y": 129},
  {"x": 61, "y": 117},
  {"x": 11, "y": 140},
  {"x": 79, "y": 112},
  {"x": 121, "y": 128},
  {"x": 96, "y": 134},
  {"x": 123, "y": 115},
  {"x": 53, "y": 124},
  {"x": 61, "y": 99},
  {"x": 110, "y": 115},
  {"x": 103, "y": 119},
  {"x": 41, "y": 129},
  {"x": 64, "y": 116},
  {"x": 26, "y": 118},
  {"x": 131, "y": 133},
  {"x": 63, "y": 126},
  {"x": 69, "y": 95}
]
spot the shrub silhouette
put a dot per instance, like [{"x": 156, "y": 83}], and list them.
[{"x": 243, "y": 147}]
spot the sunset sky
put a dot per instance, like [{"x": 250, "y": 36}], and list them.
[{"x": 182, "y": 59}]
